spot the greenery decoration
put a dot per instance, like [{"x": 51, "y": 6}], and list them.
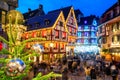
[{"x": 16, "y": 48}]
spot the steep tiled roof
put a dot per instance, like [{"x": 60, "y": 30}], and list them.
[
  {"x": 65, "y": 10},
  {"x": 111, "y": 8},
  {"x": 33, "y": 13},
  {"x": 41, "y": 20},
  {"x": 78, "y": 12},
  {"x": 87, "y": 20}
]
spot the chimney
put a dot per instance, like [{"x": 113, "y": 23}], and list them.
[
  {"x": 29, "y": 10},
  {"x": 41, "y": 7}
]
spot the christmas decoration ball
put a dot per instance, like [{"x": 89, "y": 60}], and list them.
[
  {"x": 1, "y": 46},
  {"x": 15, "y": 67},
  {"x": 38, "y": 48},
  {"x": 13, "y": 15}
]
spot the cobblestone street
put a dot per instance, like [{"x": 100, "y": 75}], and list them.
[{"x": 82, "y": 77}]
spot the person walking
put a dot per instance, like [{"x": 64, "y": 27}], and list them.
[
  {"x": 114, "y": 72},
  {"x": 93, "y": 73},
  {"x": 107, "y": 71},
  {"x": 87, "y": 73}
]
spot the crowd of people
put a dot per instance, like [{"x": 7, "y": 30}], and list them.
[
  {"x": 93, "y": 69},
  {"x": 97, "y": 69}
]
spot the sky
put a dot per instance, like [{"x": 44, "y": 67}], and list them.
[{"x": 87, "y": 7}]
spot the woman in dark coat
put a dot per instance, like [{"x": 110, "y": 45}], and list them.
[{"x": 93, "y": 74}]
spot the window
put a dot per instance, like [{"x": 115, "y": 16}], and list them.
[
  {"x": 78, "y": 41},
  {"x": 94, "y": 22},
  {"x": 63, "y": 35},
  {"x": 86, "y": 34},
  {"x": 117, "y": 25},
  {"x": 47, "y": 22},
  {"x": 56, "y": 34},
  {"x": 79, "y": 34},
  {"x": 92, "y": 28},
  {"x": 111, "y": 15},
  {"x": 92, "y": 40},
  {"x": 86, "y": 28},
  {"x": 70, "y": 29},
  {"x": 30, "y": 26},
  {"x": 86, "y": 41},
  {"x": 93, "y": 34},
  {"x": 79, "y": 28},
  {"x": 44, "y": 33},
  {"x": 37, "y": 25},
  {"x": 114, "y": 27},
  {"x": 61, "y": 23},
  {"x": 100, "y": 30},
  {"x": 118, "y": 10},
  {"x": 104, "y": 40},
  {"x": 115, "y": 38},
  {"x": 82, "y": 40}
]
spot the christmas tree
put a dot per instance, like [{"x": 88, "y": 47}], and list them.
[{"x": 14, "y": 29}]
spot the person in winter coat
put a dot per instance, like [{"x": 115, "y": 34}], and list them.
[
  {"x": 87, "y": 73},
  {"x": 114, "y": 72},
  {"x": 93, "y": 74}
]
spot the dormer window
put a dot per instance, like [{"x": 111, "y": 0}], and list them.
[
  {"x": 37, "y": 25},
  {"x": 47, "y": 22},
  {"x": 30, "y": 26},
  {"x": 94, "y": 22}
]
